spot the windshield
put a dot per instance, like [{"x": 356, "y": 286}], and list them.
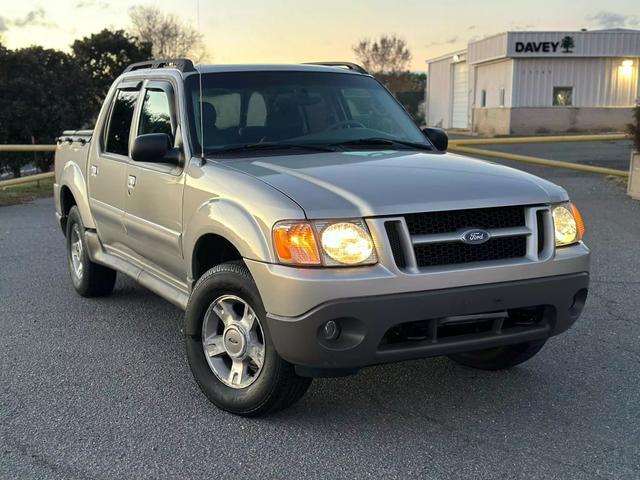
[{"x": 243, "y": 109}]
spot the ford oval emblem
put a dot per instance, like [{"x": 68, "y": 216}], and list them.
[{"x": 475, "y": 237}]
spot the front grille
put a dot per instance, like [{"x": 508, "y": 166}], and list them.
[
  {"x": 450, "y": 330},
  {"x": 437, "y": 237},
  {"x": 396, "y": 245},
  {"x": 450, "y": 253},
  {"x": 540, "y": 226},
  {"x": 454, "y": 220}
]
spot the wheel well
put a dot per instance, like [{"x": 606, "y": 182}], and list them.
[
  {"x": 67, "y": 201},
  {"x": 212, "y": 250}
]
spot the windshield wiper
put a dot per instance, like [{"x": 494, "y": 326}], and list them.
[
  {"x": 250, "y": 147},
  {"x": 374, "y": 141}
]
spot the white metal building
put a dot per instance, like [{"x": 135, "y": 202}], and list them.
[{"x": 537, "y": 82}]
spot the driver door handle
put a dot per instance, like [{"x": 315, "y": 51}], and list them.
[{"x": 131, "y": 183}]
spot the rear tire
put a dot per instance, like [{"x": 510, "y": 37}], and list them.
[
  {"x": 88, "y": 278},
  {"x": 499, "y": 358},
  {"x": 220, "y": 304}
]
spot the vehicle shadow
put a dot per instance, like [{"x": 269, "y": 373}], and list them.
[{"x": 434, "y": 391}]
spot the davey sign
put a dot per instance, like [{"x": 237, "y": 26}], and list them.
[{"x": 565, "y": 45}]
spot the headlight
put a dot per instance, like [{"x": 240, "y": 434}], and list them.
[
  {"x": 568, "y": 225},
  {"x": 341, "y": 243},
  {"x": 347, "y": 243}
]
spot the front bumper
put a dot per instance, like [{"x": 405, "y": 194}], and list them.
[
  {"x": 291, "y": 292},
  {"x": 365, "y": 322}
]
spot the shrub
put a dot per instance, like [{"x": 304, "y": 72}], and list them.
[{"x": 634, "y": 128}]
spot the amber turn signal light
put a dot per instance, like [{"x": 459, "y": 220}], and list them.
[
  {"x": 295, "y": 243},
  {"x": 578, "y": 218}
]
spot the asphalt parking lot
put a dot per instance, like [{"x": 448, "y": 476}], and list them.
[{"x": 100, "y": 389}]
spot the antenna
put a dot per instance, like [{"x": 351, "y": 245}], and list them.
[{"x": 200, "y": 87}]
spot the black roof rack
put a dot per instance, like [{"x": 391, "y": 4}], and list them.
[
  {"x": 182, "y": 64},
  {"x": 349, "y": 65}
]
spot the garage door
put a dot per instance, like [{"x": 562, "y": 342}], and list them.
[{"x": 460, "y": 106}]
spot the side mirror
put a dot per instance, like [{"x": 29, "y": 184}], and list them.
[
  {"x": 438, "y": 137},
  {"x": 154, "y": 148}
]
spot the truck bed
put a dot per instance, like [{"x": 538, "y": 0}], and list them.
[{"x": 73, "y": 146}]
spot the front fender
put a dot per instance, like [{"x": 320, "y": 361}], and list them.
[
  {"x": 72, "y": 178},
  {"x": 230, "y": 220}
]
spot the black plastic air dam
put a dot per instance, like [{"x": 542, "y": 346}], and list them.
[{"x": 365, "y": 320}]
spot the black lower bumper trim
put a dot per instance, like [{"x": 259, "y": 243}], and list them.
[{"x": 365, "y": 321}]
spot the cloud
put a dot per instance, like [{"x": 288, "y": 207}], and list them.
[
  {"x": 33, "y": 18},
  {"x": 519, "y": 28},
  {"x": 91, "y": 4},
  {"x": 472, "y": 27},
  {"x": 448, "y": 41},
  {"x": 606, "y": 19}
]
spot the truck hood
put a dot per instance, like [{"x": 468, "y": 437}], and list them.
[{"x": 364, "y": 184}]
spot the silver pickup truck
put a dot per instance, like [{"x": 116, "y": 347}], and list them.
[{"x": 309, "y": 228}]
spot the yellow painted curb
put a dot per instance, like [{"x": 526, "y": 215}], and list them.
[
  {"x": 23, "y": 180},
  {"x": 539, "y": 161},
  {"x": 551, "y": 139}
]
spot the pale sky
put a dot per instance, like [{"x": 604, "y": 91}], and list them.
[{"x": 266, "y": 31}]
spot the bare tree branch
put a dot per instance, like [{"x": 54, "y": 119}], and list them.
[
  {"x": 169, "y": 37},
  {"x": 388, "y": 55}
]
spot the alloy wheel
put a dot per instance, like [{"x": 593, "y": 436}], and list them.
[
  {"x": 76, "y": 251},
  {"x": 233, "y": 341}
]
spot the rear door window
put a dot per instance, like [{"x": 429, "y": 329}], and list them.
[{"x": 120, "y": 124}]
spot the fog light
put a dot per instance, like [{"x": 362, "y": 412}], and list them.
[{"x": 330, "y": 330}]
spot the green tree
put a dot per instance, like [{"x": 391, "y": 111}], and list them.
[
  {"x": 42, "y": 92},
  {"x": 103, "y": 56},
  {"x": 410, "y": 91},
  {"x": 634, "y": 128}
]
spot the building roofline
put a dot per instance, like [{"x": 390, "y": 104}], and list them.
[
  {"x": 446, "y": 55},
  {"x": 609, "y": 31},
  {"x": 604, "y": 30}
]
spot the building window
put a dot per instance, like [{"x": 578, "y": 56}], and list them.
[
  {"x": 562, "y": 96},
  {"x": 483, "y": 98},
  {"x": 501, "y": 96}
]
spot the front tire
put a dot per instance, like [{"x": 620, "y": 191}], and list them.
[
  {"x": 88, "y": 278},
  {"x": 229, "y": 348},
  {"x": 499, "y": 358}
]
